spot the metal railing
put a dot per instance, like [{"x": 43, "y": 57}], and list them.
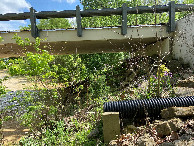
[{"x": 124, "y": 11}]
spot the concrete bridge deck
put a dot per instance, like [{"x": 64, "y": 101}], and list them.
[
  {"x": 139, "y": 39},
  {"x": 94, "y": 40}
]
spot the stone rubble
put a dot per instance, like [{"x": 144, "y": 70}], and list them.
[
  {"x": 175, "y": 129},
  {"x": 178, "y": 112}
]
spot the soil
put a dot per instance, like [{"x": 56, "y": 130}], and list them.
[
  {"x": 14, "y": 83},
  {"x": 12, "y": 131}
]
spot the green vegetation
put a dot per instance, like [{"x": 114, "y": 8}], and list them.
[
  {"x": 67, "y": 115},
  {"x": 68, "y": 105},
  {"x": 2, "y": 87},
  {"x": 1, "y": 39},
  {"x": 53, "y": 23},
  {"x": 133, "y": 19}
]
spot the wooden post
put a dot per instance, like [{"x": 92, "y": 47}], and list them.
[
  {"x": 172, "y": 16},
  {"x": 78, "y": 20},
  {"x": 124, "y": 19},
  {"x": 34, "y": 29}
]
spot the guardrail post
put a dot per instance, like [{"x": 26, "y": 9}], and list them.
[
  {"x": 34, "y": 29},
  {"x": 124, "y": 19},
  {"x": 171, "y": 16},
  {"x": 78, "y": 20}
]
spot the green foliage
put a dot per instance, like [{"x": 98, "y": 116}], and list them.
[
  {"x": 102, "y": 62},
  {"x": 1, "y": 39},
  {"x": 33, "y": 63},
  {"x": 61, "y": 134},
  {"x": 2, "y": 87},
  {"x": 133, "y": 19},
  {"x": 158, "y": 84},
  {"x": 69, "y": 69},
  {"x": 46, "y": 105},
  {"x": 57, "y": 118},
  {"x": 3, "y": 64},
  {"x": 98, "y": 87},
  {"x": 53, "y": 23}
]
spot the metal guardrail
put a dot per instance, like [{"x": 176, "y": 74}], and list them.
[{"x": 124, "y": 10}]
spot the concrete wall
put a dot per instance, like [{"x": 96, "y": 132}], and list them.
[
  {"x": 161, "y": 47},
  {"x": 183, "y": 43},
  {"x": 178, "y": 45}
]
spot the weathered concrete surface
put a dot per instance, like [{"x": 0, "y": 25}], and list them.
[
  {"x": 183, "y": 44},
  {"x": 161, "y": 47},
  {"x": 177, "y": 112},
  {"x": 101, "y": 40},
  {"x": 111, "y": 125},
  {"x": 165, "y": 128},
  {"x": 163, "y": 132}
]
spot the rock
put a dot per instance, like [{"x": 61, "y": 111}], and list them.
[
  {"x": 183, "y": 143},
  {"x": 173, "y": 136},
  {"x": 177, "y": 112},
  {"x": 185, "y": 83},
  {"x": 124, "y": 143},
  {"x": 93, "y": 133},
  {"x": 167, "y": 144},
  {"x": 113, "y": 143},
  {"x": 186, "y": 137},
  {"x": 131, "y": 129},
  {"x": 146, "y": 140},
  {"x": 175, "y": 124},
  {"x": 174, "y": 66},
  {"x": 178, "y": 143},
  {"x": 163, "y": 128}
]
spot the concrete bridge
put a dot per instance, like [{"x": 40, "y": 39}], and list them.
[
  {"x": 175, "y": 39},
  {"x": 150, "y": 39},
  {"x": 94, "y": 40}
]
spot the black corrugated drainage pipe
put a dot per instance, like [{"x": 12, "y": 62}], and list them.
[{"x": 146, "y": 107}]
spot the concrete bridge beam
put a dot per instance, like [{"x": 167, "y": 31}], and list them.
[{"x": 95, "y": 40}]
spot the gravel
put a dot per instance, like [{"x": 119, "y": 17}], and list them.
[{"x": 9, "y": 102}]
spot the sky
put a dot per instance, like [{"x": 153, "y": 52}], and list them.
[{"x": 19, "y": 6}]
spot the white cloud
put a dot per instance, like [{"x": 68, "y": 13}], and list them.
[
  {"x": 12, "y": 6},
  {"x": 72, "y": 21},
  {"x": 68, "y": 1},
  {"x": 11, "y": 25}
]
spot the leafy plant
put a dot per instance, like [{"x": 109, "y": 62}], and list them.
[
  {"x": 2, "y": 87},
  {"x": 133, "y": 19},
  {"x": 53, "y": 23},
  {"x": 1, "y": 39},
  {"x": 33, "y": 63},
  {"x": 160, "y": 83}
]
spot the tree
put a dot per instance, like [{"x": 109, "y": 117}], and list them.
[
  {"x": 53, "y": 23},
  {"x": 133, "y": 19}
]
